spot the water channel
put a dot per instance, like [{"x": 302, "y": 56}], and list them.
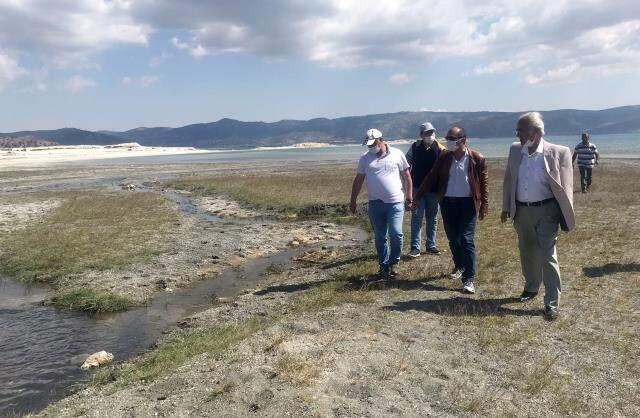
[{"x": 42, "y": 347}]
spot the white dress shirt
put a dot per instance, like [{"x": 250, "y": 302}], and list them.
[
  {"x": 533, "y": 185},
  {"x": 458, "y": 184}
]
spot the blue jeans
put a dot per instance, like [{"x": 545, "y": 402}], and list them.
[
  {"x": 386, "y": 218},
  {"x": 459, "y": 218},
  {"x": 427, "y": 207}
]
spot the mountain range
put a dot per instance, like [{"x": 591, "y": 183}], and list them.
[{"x": 230, "y": 133}]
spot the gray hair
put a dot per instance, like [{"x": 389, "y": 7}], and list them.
[{"x": 533, "y": 120}]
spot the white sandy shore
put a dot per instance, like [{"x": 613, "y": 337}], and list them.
[{"x": 48, "y": 156}]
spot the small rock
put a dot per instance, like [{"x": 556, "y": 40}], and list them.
[
  {"x": 97, "y": 359},
  {"x": 294, "y": 243}
]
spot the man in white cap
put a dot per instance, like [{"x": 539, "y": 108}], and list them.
[
  {"x": 390, "y": 193},
  {"x": 422, "y": 156}
]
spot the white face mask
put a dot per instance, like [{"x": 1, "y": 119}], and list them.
[
  {"x": 374, "y": 150},
  {"x": 429, "y": 139},
  {"x": 451, "y": 145},
  {"x": 528, "y": 144}
]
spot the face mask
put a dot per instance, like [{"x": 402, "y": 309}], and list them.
[
  {"x": 528, "y": 144},
  {"x": 451, "y": 145},
  {"x": 374, "y": 150},
  {"x": 429, "y": 139}
]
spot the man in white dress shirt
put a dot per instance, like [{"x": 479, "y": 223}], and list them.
[{"x": 538, "y": 195}]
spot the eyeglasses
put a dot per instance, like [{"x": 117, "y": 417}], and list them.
[
  {"x": 454, "y": 138},
  {"x": 520, "y": 131}
]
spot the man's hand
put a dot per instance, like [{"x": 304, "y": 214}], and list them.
[
  {"x": 352, "y": 207},
  {"x": 408, "y": 205},
  {"x": 504, "y": 216}
]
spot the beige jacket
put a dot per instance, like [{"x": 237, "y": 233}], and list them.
[{"x": 557, "y": 160}]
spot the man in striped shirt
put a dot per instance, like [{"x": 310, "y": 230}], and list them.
[{"x": 587, "y": 155}]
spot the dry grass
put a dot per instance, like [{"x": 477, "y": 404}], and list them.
[{"x": 297, "y": 370}]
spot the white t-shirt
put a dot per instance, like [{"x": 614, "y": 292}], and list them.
[{"x": 383, "y": 175}]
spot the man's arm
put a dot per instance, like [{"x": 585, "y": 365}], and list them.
[
  {"x": 429, "y": 181},
  {"x": 506, "y": 192},
  {"x": 408, "y": 188},
  {"x": 355, "y": 191},
  {"x": 484, "y": 189},
  {"x": 595, "y": 151},
  {"x": 409, "y": 157}
]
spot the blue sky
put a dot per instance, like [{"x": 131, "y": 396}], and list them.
[{"x": 120, "y": 64}]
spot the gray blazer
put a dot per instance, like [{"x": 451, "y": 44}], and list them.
[{"x": 557, "y": 161}]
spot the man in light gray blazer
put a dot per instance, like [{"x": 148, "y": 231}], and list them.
[{"x": 538, "y": 196}]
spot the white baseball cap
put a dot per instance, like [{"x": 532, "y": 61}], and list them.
[{"x": 372, "y": 135}]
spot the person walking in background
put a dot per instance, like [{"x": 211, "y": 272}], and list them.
[
  {"x": 390, "y": 191},
  {"x": 587, "y": 155},
  {"x": 422, "y": 156},
  {"x": 538, "y": 195},
  {"x": 461, "y": 178}
]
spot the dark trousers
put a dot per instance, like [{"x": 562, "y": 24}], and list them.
[
  {"x": 585, "y": 177},
  {"x": 459, "y": 218}
]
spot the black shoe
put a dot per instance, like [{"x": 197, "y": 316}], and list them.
[
  {"x": 433, "y": 251},
  {"x": 551, "y": 313},
  {"x": 393, "y": 270},
  {"x": 383, "y": 273},
  {"x": 525, "y": 296}
]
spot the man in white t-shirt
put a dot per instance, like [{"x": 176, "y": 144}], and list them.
[{"x": 389, "y": 187}]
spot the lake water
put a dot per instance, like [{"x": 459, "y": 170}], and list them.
[{"x": 609, "y": 146}]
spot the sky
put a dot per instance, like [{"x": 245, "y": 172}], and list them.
[{"x": 121, "y": 64}]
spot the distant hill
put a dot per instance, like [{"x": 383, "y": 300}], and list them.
[
  {"x": 68, "y": 136},
  {"x": 230, "y": 133},
  {"x": 23, "y": 142}
]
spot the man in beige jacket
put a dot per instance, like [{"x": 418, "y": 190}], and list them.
[{"x": 538, "y": 196}]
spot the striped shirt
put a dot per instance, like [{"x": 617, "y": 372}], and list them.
[{"x": 586, "y": 154}]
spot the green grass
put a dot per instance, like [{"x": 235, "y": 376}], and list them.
[
  {"x": 221, "y": 389},
  {"x": 317, "y": 193},
  {"x": 88, "y": 231},
  {"x": 91, "y": 301}
]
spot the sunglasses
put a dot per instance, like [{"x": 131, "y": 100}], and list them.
[{"x": 454, "y": 138}]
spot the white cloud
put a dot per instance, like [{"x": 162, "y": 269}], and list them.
[
  {"x": 566, "y": 73},
  {"x": 142, "y": 81},
  {"x": 9, "y": 70},
  {"x": 539, "y": 41},
  {"x": 78, "y": 83},
  {"x": 399, "y": 79}
]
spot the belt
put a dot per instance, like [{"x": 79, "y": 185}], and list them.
[{"x": 539, "y": 203}]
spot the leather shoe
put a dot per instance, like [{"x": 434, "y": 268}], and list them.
[
  {"x": 525, "y": 296},
  {"x": 551, "y": 313}
]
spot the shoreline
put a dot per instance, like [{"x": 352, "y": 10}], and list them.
[{"x": 46, "y": 156}]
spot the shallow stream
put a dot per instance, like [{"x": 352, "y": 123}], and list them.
[{"x": 42, "y": 348}]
